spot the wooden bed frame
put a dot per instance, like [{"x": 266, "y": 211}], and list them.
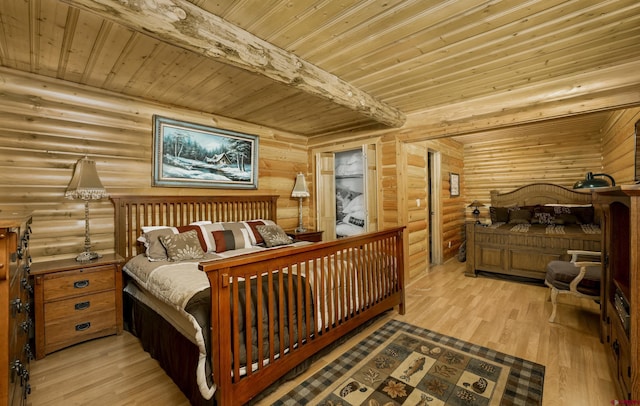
[
  {"x": 517, "y": 254},
  {"x": 363, "y": 276}
]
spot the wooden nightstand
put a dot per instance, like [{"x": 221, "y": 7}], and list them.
[
  {"x": 309, "y": 235},
  {"x": 76, "y": 301}
]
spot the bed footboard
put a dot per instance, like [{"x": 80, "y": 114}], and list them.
[{"x": 298, "y": 300}]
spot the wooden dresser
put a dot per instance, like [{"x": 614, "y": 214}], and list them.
[
  {"x": 621, "y": 288},
  {"x": 76, "y": 301},
  {"x": 16, "y": 322}
]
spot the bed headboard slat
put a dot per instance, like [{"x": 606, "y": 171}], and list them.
[{"x": 132, "y": 212}]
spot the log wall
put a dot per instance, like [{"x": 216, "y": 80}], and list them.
[
  {"x": 47, "y": 125},
  {"x": 513, "y": 160},
  {"x": 413, "y": 201},
  {"x": 619, "y": 145}
]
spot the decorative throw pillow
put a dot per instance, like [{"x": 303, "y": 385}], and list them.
[
  {"x": 499, "y": 214},
  {"x": 543, "y": 215},
  {"x": 273, "y": 235},
  {"x": 207, "y": 229},
  {"x": 519, "y": 216},
  {"x": 155, "y": 251},
  {"x": 227, "y": 240},
  {"x": 585, "y": 215},
  {"x": 566, "y": 219},
  {"x": 182, "y": 246},
  {"x": 198, "y": 230}
]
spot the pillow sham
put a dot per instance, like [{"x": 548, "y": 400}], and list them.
[
  {"x": 274, "y": 235},
  {"x": 183, "y": 246},
  {"x": 199, "y": 233},
  {"x": 227, "y": 240}
]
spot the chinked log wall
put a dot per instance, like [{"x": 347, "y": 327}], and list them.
[{"x": 48, "y": 124}]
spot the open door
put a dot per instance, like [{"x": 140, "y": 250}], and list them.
[
  {"x": 326, "y": 194},
  {"x": 371, "y": 186},
  {"x": 347, "y": 198},
  {"x": 436, "y": 254}
]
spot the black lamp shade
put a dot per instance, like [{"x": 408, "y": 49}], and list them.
[{"x": 590, "y": 181}]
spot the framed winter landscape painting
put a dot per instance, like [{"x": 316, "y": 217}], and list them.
[{"x": 194, "y": 155}]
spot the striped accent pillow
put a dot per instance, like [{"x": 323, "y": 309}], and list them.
[{"x": 227, "y": 240}]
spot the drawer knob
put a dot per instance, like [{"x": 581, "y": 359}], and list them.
[
  {"x": 16, "y": 306},
  {"x": 26, "y": 325},
  {"x": 83, "y": 326},
  {"x": 82, "y": 305},
  {"x": 81, "y": 284}
]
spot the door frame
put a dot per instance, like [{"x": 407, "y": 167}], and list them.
[{"x": 435, "y": 216}]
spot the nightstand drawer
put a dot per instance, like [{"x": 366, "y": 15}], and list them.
[
  {"x": 80, "y": 282},
  {"x": 78, "y": 328},
  {"x": 81, "y": 306}
]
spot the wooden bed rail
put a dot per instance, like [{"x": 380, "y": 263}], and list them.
[{"x": 302, "y": 299}]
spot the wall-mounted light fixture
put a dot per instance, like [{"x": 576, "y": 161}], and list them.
[{"x": 590, "y": 181}]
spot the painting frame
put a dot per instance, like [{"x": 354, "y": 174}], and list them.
[
  {"x": 454, "y": 184},
  {"x": 194, "y": 155}
]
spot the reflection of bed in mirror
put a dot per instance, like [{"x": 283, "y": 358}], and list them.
[{"x": 350, "y": 201}]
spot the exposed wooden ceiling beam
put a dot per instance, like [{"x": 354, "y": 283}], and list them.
[{"x": 185, "y": 25}]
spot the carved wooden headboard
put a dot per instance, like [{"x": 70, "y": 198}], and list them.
[
  {"x": 134, "y": 212},
  {"x": 540, "y": 193}
]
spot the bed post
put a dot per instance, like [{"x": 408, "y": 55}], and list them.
[
  {"x": 120, "y": 233},
  {"x": 221, "y": 343},
  {"x": 400, "y": 259}
]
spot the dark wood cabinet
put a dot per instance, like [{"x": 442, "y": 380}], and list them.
[
  {"x": 76, "y": 301},
  {"x": 620, "y": 289},
  {"x": 16, "y": 322}
]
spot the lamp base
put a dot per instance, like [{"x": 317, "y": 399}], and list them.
[
  {"x": 87, "y": 256},
  {"x": 300, "y": 229}
]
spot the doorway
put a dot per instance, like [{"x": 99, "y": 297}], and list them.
[
  {"x": 347, "y": 195},
  {"x": 434, "y": 164}
]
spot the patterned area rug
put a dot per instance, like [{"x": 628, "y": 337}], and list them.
[{"x": 400, "y": 364}]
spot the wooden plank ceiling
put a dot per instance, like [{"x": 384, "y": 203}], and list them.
[{"x": 414, "y": 57}]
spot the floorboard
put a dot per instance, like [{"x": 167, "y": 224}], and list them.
[{"x": 504, "y": 315}]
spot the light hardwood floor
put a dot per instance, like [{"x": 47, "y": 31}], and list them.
[{"x": 506, "y": 316}]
